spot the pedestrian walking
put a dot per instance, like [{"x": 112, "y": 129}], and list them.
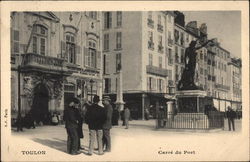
[
  {"x": 107, "y": 124},
  {"x": 126, "y": 117},
  {"x": 146, "y": 114},
  {"x": 71, "y": 124},
  {"x": 95, "y": 118},
  {"x": 231, "y": 115}
]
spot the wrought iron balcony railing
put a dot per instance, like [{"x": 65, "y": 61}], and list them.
[{"x": 160, "y": 28}]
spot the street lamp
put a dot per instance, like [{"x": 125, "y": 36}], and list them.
[{"x": 91, "y": 88}]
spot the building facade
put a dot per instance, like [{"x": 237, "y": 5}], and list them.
[
  {"x": 58, "y": 56},
  {"x": 140, "y": 49}
]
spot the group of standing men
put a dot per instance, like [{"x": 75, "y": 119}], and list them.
[{"x": 99, "y": 122}]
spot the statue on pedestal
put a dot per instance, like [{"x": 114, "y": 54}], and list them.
[{"x": 187, "y": 79}]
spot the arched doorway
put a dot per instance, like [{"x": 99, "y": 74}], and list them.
[{"x": 40, "y": 106}]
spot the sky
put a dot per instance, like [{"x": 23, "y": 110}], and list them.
[{"x": 224, "y": 25}]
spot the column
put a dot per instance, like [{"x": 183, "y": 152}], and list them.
[
  {"x": 170, "y": 110},
  {"x": 119, "y": 96},
  {"x": 198, "y": 105}
]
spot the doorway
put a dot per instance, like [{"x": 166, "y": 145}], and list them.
[{"x": 40, "y": 106}]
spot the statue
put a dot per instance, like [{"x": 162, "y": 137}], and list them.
[{"x": 187, "y": 79}]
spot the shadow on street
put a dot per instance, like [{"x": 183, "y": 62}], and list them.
[{"x": 56, "y": 143}]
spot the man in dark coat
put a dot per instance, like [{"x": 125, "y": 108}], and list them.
[
  {"x": 231, "y": 115},
  {"x": 107, "y": 124},
  {"x": 95, "y": 118},
  {"x": 71, "y": 124},
  {"x": 80, "y": 116}
]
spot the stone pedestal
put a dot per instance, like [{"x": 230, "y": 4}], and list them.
[
  {"x": 170, "y": 110},
  {"x": 191, "y": 101}
]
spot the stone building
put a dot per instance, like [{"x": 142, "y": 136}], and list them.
[
  {"x": 58, "y": 55},
  {"x": 235, "y": 83},
  {"x": 137, "y": 41}
]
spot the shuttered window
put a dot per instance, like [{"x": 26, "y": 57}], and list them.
[{"x": 16, "y": 41}]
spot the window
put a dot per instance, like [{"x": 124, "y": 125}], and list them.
[
  {"x": 169, "y": 18},
  {"x": 34, "y": 44},
  {"x": 39, "y": 39},
  {"x": 119, "y": 18},
  {"x": 160, "y": 47},
  {"x": 176, "y": 36},
  {"x": 160, "y": 40},
  {"x": 150, "y": 36},
  {"x": 150, "y": 41},
  {"x": 150, "y": 15},
  {"x": 16, "y": 41},
  {"x": 182, "y": 56},
  {"x": 160, "y": 85},
  {"x": 150, "y": 59},
  {"x": 106, "y": 42},
  {"x": 107, "y": 20},
  {"x": 104, "y": 65},
  {"x": 118, "y": 62},
  {"x": 187, "y": 38},
  {"x": 159, "y": 19},
  {"x": 182, "y": 39},
  {"x": 107, "y": 87},
  {"x": 118, "y": 40},
  {"x": 42, "y": 48},
  {"x": 160, "y": 62},
  {"x": 201, "y": 71},
  {"x": 201, "y": 55},
  {"x": 93, "y": 14},
  {"x": 70, "y": 48},
  {"x": 149, "y": 83},
  {"x": 169, "y": 35},
  {"x": 176, "y": 54},
  {"x": 91, "y": 56},
  {"x": 170, "y": 57}
]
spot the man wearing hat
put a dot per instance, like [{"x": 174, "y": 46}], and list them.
[
  {"x": 95, "y": 117},
  {"x": 71, "y": 125},
  {"x": 107, "y": 124}
]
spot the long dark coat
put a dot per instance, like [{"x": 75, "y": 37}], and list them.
[
  {"x": 70, "y": 117},
  {"x": 95, "y": 117},
  {"x": 80, "y": 122},
  {"x": 109, "y": 112}
]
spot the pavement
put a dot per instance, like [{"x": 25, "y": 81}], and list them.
[{"x": 140, "y": 142}]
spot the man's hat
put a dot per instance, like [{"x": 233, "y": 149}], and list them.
[{"x": 106, "y": 98}]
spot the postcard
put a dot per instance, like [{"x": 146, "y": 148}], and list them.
[{"x": 125, "y": 81}]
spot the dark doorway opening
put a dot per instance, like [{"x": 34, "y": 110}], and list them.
[{"x": 40, "y": 106}]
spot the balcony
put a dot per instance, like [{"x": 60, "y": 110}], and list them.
[
  {"x": 151, "y": 45},
  {"x": 157, "y": 71},
  {"x": 159, "y": 28},
  {"x": 151, "y": 23},
  {"x": 35, "y": 62},
  {"x": 170, "y": 42},
  {"x": 223, "y": 87}
]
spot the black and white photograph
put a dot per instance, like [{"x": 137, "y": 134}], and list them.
[{"x": 160, "y": 82}]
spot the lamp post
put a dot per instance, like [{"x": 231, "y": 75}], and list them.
[{"x": 91, "y": 89}]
